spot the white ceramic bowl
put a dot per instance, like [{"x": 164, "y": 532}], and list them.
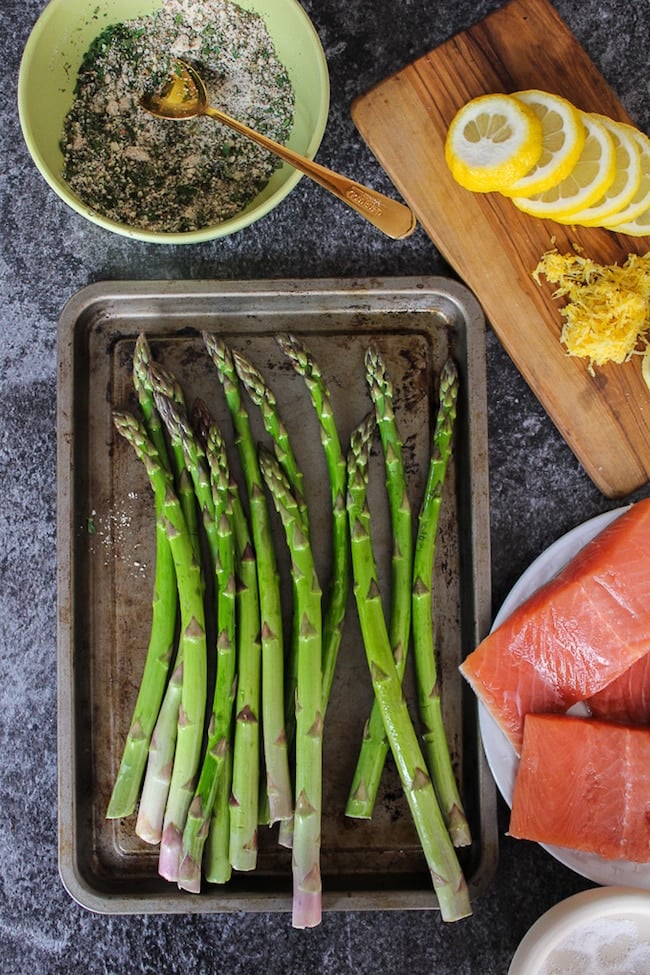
[
  {"x": 49, "y": 67},
  {"x": 605, "y": 931}
]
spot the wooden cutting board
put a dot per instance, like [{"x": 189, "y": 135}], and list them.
[{"x": 605, "y": 418}]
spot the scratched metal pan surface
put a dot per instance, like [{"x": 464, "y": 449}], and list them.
[{"x": 106, "y": 560}]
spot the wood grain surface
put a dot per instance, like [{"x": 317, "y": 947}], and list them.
[{"x": 605, "y": 418}]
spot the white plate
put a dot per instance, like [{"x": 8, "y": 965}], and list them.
[{"x": 501, "y": 756}]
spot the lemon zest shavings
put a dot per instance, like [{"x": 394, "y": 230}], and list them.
[{"x": 607, "y": 309}]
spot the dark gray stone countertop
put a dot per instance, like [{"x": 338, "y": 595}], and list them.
[{"x": 538, "y": 491}]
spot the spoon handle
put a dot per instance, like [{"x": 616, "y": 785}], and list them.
[{"x": 394, "y": 219}]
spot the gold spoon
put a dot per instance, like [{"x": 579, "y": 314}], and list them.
[{"x": 184, "y": 96}]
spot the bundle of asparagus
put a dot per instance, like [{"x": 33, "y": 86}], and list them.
[{"x": 195, "y": 765}]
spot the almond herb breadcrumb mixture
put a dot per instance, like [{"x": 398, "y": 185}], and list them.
[{"x": 165, "y": 175}]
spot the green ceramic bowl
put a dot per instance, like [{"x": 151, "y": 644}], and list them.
[{"x": 49, "y": 68}]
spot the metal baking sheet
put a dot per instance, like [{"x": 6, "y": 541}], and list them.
[{"x": 105, "y": 554}]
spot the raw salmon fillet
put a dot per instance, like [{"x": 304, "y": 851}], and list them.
[
  {"x": 573, "y": 636},
  {"x": 584, "y": 784},
  {"x": 626, "y": 699}
]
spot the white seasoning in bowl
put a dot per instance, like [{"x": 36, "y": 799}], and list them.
[
  {"x": 608, "y": 946},
  {"x": 176, "y": 176}
]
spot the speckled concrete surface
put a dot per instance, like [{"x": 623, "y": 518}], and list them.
[{"x": 538, "y": 491}]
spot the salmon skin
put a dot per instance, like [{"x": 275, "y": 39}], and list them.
[
  {"x": 584, "y": 784},
  {"x": 575, "y": 634}
]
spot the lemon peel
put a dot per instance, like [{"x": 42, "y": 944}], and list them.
[
  {"x": 492, "y": 141},
  {"x": 563, "y": 138}
]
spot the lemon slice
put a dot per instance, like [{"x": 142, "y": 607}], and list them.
[
  {"x": 589, "y": 179},
  {"x": 626, "y": 181},
  {"x": 492, "y": 142},
  {"x": 639, "y": 202},
  {"x": 563, "y": 138}
]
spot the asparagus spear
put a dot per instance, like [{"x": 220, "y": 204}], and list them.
[
  {"x": 264, "y": 398},
  {"x": 162, "y": 638},
  {"x": 216, "y": 757},
  {"x": 158, "y": 390},
  {"x": 245, "y": 756},
  {"x": 162, "y": 742},
  {"x": 447, "y": 877},
  {"x": 218, "y": 865},
  {"x": 339, "y": 585},
  {"x": 193, "y": 692},
  {"x": 245, "y": 752},
  {"x": 307, "y": 888},
  {"x": 374, "y": 746},
  {"x": 381, "y": 393},
  {"x": 273, "y": 722},
  {"x": 434, "y": 739},
  {"x": 155, "y": 789}
]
